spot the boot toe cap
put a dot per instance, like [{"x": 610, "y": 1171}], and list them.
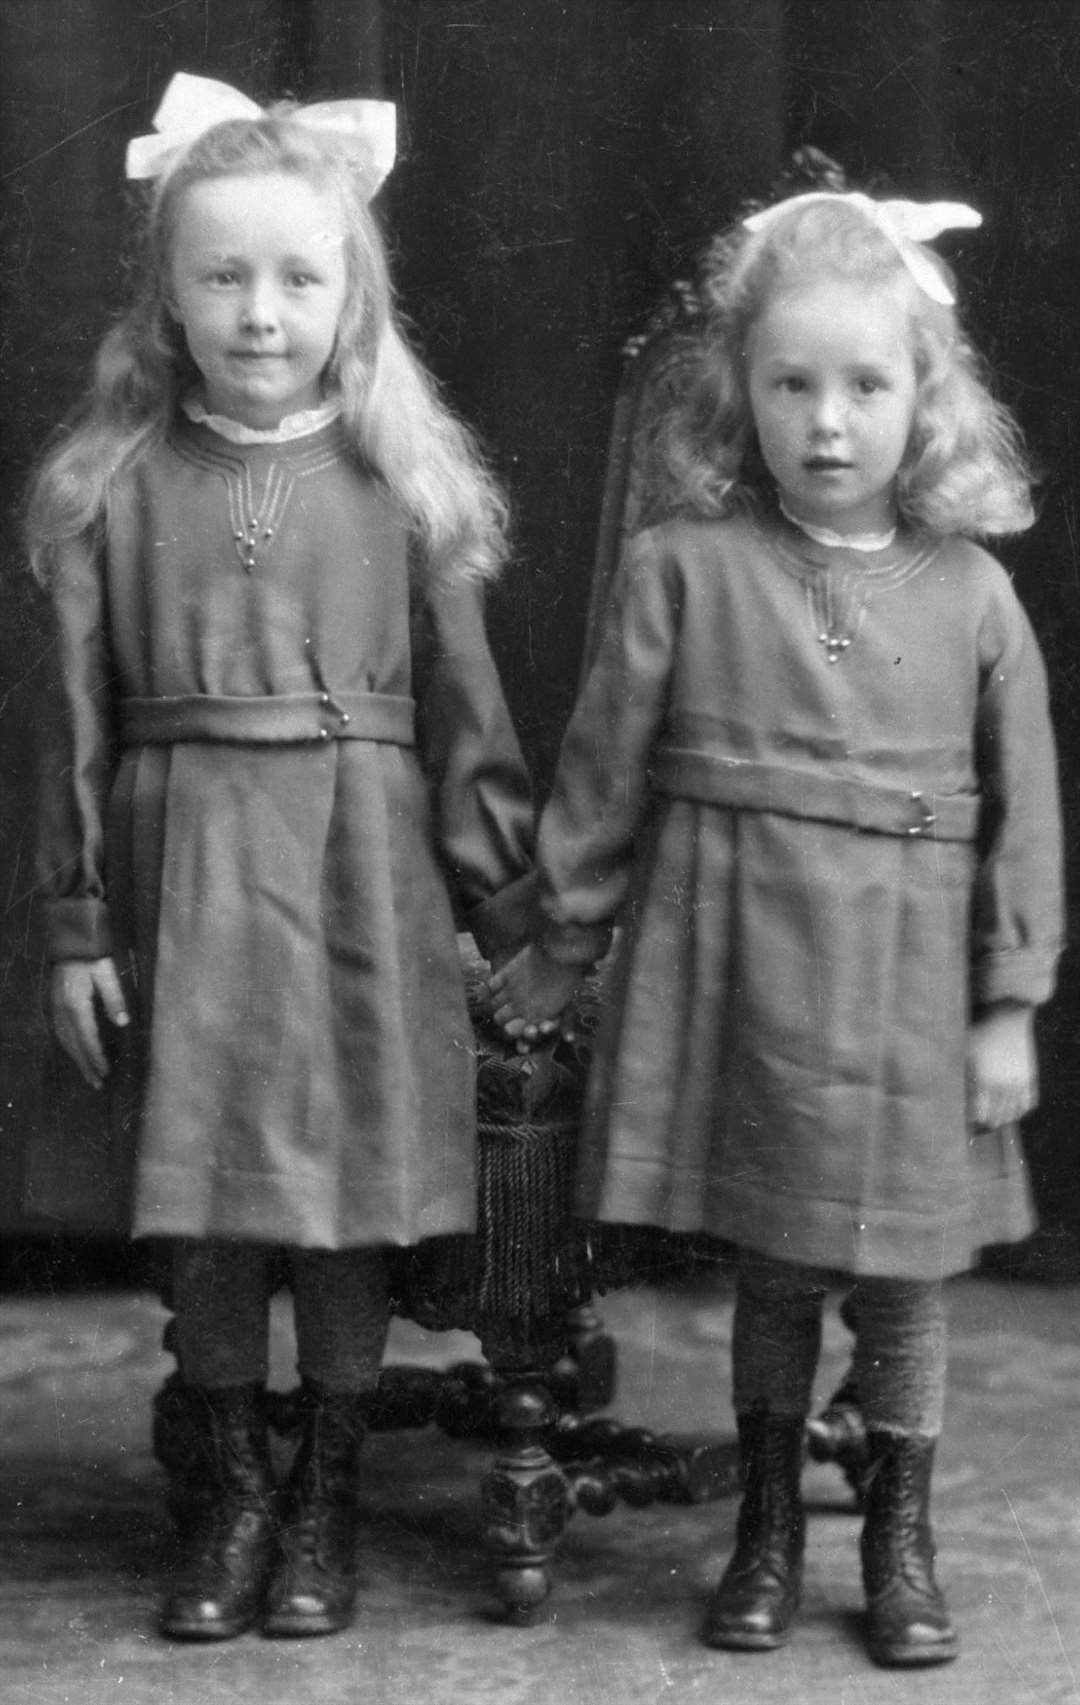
[
  {"x": 753, "y": 1615},
  {"x": 193, "y": 1617},
  {"x": 901, "y": 1633},
  {"x": 917, "y": 1646},
  {"x": 304, "y": 1613}
]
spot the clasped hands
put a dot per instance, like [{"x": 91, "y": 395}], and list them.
[{"x": 531, "y": 995}]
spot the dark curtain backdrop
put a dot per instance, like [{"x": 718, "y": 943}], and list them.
[{"x": 561, "y": 164}]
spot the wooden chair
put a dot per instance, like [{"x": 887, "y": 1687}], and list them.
[{"x": 525, "y": 1283}]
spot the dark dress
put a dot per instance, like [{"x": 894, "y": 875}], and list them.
[
  {"x": 279, "y": 778},
  {"x": 818, "y": 790}
]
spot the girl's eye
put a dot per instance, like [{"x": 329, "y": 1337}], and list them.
[
  {"x": 868, "y": 385},
  {"x": 300, "y": 280},
  {"x": 224, "y": 275},
  {"x": 793, "y": 383}
]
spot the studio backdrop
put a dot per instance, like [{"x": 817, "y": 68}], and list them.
[{"x": 561, "y": 164}]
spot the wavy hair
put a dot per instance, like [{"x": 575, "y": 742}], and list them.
[
  {"x": 391, "y": 406},
  {"x": 964, "y": 469}
]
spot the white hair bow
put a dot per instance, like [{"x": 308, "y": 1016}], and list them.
[
  {"x": 904, "y": 223},
  {"x": 191, "y": 106}
]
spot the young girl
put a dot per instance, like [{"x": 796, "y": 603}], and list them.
[
  {"x": 280, "y": 776},
  {"x": 812, "y": 774}
]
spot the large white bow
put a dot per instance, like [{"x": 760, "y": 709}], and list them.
[
  {"x": 192, "y": 105},
  {"x": 904, "y": 223}
]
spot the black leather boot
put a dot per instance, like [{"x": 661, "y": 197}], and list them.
[
  {"x": 907, "y": 1619},
  {"x": 753, "y": 1607},
  {"x": 313, "y": 1589},
  {"x": 227, "y": 1540}
]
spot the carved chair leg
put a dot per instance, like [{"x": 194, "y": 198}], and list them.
[{"x": 526, "y": 1498}]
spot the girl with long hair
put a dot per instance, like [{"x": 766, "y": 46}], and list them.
[{"x": 278, "y": 778}]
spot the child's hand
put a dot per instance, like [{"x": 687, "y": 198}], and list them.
[
  {"x": 531, "y": 992},
  {"x": 77, "y": 987},
  {"x": 1002, "y": 1074}
]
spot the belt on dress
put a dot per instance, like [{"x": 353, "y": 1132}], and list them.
[
  {"x": 277, "y": 719},
  {"x": 743, "y": 785}
]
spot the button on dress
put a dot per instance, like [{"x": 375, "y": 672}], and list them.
[
  {"x": 817, "y": 789},
  {"x": 279, "y": 777}
]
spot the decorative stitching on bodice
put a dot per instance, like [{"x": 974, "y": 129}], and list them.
[
  {"x": 838, "y": 590},
  {"x": 255, "y": 520}
]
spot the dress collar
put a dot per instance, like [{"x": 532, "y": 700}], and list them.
[
  {"x": 862, "y": 542},
  {"x": 292, "y": 426},
  {"x": 805, "y": 558}
]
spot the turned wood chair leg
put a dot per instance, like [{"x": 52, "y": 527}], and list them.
[{"x": 526, "y": 1498}]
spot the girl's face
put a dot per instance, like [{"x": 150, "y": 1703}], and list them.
[
  {"x": 832, "y": 383},
  {"x": 259, "y": 279}
]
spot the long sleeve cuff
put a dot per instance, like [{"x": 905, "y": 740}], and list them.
[
  {"x": 574, "y": 944},
  {"x": 77, "y": 929},
  {"x": 1024, "y": 975},
  {"x": 503, "y": 921}
]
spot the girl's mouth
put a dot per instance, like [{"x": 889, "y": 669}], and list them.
[{"x": 825, "y": 464}]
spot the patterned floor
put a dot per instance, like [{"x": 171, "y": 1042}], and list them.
[{"x": 80, "y": 1515}]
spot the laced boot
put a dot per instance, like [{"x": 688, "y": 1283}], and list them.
[
  {"x": 227, "y": 1540},
  {"x": 908, "y": 1621},
  {"x": 314, "y": 1586},
  {"x": 753, "y": 1607}
]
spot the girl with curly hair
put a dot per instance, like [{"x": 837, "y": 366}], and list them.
[{"x": 811, "y": 773}]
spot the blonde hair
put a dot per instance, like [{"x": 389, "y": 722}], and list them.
[
  {"x": 391, "y": 407},
  {"x": 964, "y": 470}
]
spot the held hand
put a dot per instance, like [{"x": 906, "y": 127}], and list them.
[
  {"x": 531, "y": 993},
  {"x": 78, "y": 985},
  {"x": 501, "y": 956},
  {"x": 1002, "y": 1073}
]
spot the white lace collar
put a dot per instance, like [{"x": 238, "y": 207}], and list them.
[
  {"x": 841, "y": 541},
  {"x": 291, "y": 426}
]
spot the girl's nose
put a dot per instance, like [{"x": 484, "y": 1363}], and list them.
[
  {"x": 259, "y": 313},
  {"x": 828, "y": 413}
]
